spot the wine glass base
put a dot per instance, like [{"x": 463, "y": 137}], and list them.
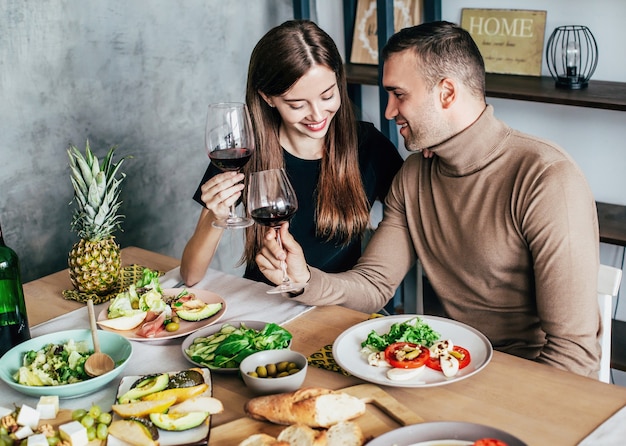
[
  {"x": 286, "y": 288},
  {"x": 233, "y": 223}
]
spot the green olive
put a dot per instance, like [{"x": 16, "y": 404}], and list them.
[
  {"x": 279, "y": 370},
  {"x": 172, "y": 326},
  {"x": 282, "y": 366},
  {"x": 261, "y": 371},
  {"x": 271, "y": 369}
]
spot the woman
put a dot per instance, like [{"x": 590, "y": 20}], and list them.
[{"x": 303, "y": 121}]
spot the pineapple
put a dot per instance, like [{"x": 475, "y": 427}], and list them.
[{"x": 95, "y": 261}]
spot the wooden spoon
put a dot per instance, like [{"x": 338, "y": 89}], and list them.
[{"x": 98, "y": 363}]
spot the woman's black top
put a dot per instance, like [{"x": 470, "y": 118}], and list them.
[{"x": 379, "y": 161}]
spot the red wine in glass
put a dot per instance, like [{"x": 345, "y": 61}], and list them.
[
  {"x": 271, "y": 216},
  {"x": 272, "y": 201},
  {"x": 229, "y": 141},
  {"x": 230, "y": 160}
]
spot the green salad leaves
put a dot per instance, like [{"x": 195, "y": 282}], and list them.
[
  {"x": 54, "y": 364},
  {"x": 414, "y": 330},
  {"x": 230, "y": 345}
]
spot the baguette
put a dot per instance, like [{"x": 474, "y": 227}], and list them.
[
  {"x": 345, "y": 433},
  {"x": 262, "y": 440},
  {"x": 312, "y": 406},
  {"x": 302, "y": 435}
]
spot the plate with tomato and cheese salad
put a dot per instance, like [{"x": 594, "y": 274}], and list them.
[
  {"x": 447, "y": 433},
  {"x": 412, "y": 351}
]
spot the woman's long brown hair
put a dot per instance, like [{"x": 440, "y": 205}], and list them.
[{"x": 279, "y": 59}]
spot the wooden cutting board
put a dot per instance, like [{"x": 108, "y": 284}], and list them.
[{"x": 383, "y": 414}]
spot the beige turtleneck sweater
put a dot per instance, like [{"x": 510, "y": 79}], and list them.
[{"x": 505, "y": 226}]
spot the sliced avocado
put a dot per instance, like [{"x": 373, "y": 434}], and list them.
[
  {"x": 148, "y": 425},
  {"x": 145, "y": 386},
  {"x": 186, "y": 378},
  {"x": 178, "y": 422},
  {"x": 197, "y": 314}
]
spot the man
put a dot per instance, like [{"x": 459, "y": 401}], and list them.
[{"x": 504, "y": 223}]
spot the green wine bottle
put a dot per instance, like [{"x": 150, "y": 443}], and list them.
[{"x": 13, "y": 319}]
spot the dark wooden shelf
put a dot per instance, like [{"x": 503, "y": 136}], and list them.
[
  {"x": 612, "y": 222},
  {"x": 600, "y": 94},
  {"x": 618, "y": 346}
]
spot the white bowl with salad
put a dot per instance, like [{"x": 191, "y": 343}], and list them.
[
  {"x": 25, "y": 366},
  {"x": 222, "y": 348}
]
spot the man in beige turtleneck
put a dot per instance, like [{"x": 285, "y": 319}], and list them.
[{"x": 504, "y": 223}]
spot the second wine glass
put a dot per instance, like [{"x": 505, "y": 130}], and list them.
[
  {"x": 229, "y": 141},
  {"x": 272, "y": 201}
]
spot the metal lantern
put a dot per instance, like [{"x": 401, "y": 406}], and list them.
[{"x": 572, "y": 56}]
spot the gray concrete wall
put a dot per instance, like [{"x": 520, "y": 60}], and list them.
[{"x": 133, "y": 73}]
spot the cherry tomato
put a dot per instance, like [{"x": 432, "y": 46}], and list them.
[
  {"x": 489, "y": 442},
  {"x": 433, "y": 363},
  {"x": 404, "y": 355}
]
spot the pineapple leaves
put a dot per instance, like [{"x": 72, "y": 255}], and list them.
[{"x": 96, "y": 192}]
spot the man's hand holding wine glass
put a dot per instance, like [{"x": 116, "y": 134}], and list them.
[{"x": 270, "y": 257}]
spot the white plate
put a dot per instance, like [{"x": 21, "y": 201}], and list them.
[
  {"x": 346, "y": 350},
  {"x": 198, "y": 435},
  {"x": 207, "y": 331},
  {"x": 436, "y": 434},
  {"x": 186, "y": 327}
]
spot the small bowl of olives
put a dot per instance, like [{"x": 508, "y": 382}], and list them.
[{"x": 274, "y": 371}]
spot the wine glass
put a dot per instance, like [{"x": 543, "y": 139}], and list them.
[
  {"x": 229, "y": 141},
  {"x": 272, "y": 201}
]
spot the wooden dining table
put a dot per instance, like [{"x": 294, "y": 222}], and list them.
[{"x": 540, "y": 405}]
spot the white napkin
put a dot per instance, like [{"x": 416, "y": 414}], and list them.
[
  {"x": 245, "y": 299},
  {"x": 610, "y": 433}
]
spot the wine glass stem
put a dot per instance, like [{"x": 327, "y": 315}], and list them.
[
  {"x": 232, "y": 213},
  {"x": 283, "y": 263}
]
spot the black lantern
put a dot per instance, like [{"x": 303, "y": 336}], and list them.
[{"x": 572, "y": 56}]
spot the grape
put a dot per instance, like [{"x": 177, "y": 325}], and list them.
[
  {"x": 78, "y": 414},
  {"x": 105, "y": 418},
  {"x": 87, "y": 421},
  {"x": 95, "y": 411},
  {"x": 91, "y": 433},
  {"x": 102, "y": 430},
  {"x": 53, "y": 441}
]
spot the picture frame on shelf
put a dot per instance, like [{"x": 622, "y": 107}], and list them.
[
  {"x": 365, "y": 41},
  {"x": 510, "y": 40}
]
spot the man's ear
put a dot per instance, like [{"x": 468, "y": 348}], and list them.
[{"x": 447, "y": 92}]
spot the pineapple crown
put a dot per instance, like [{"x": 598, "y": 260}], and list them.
[{"x": 96, "y": 192}]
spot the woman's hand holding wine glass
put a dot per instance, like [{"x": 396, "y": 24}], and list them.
[
  {"x": 272, "y": 201},
  {"x": 229, "y": 141}
]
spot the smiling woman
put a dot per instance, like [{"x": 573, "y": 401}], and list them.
[{"x": 304, "y": 122}]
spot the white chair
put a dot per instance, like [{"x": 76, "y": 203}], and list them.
[{"x": 609, "y": 280}]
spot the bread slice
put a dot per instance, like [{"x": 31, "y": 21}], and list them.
[
  {"x": 345, "y": 433},
  {"x": 262, "y": 440},
  {"x": 302, "y": 435},
  {"x": 312, "y": 406}
]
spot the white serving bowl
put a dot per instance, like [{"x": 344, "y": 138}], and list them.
[
  {"x": 113, "y": 344},
  {"x": 282, "y": 384}
]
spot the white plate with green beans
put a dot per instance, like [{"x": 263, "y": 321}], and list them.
[{"x": 222, "y": 347}]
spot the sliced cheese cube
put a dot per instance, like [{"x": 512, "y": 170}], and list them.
[
  {"x": 23, "y": 432},
  {"x": 28, "y": 417},
  {"x": 48, "y": 407},
  {"x": 74, "y": 432},
  {"x": 37, "y": 440}
]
